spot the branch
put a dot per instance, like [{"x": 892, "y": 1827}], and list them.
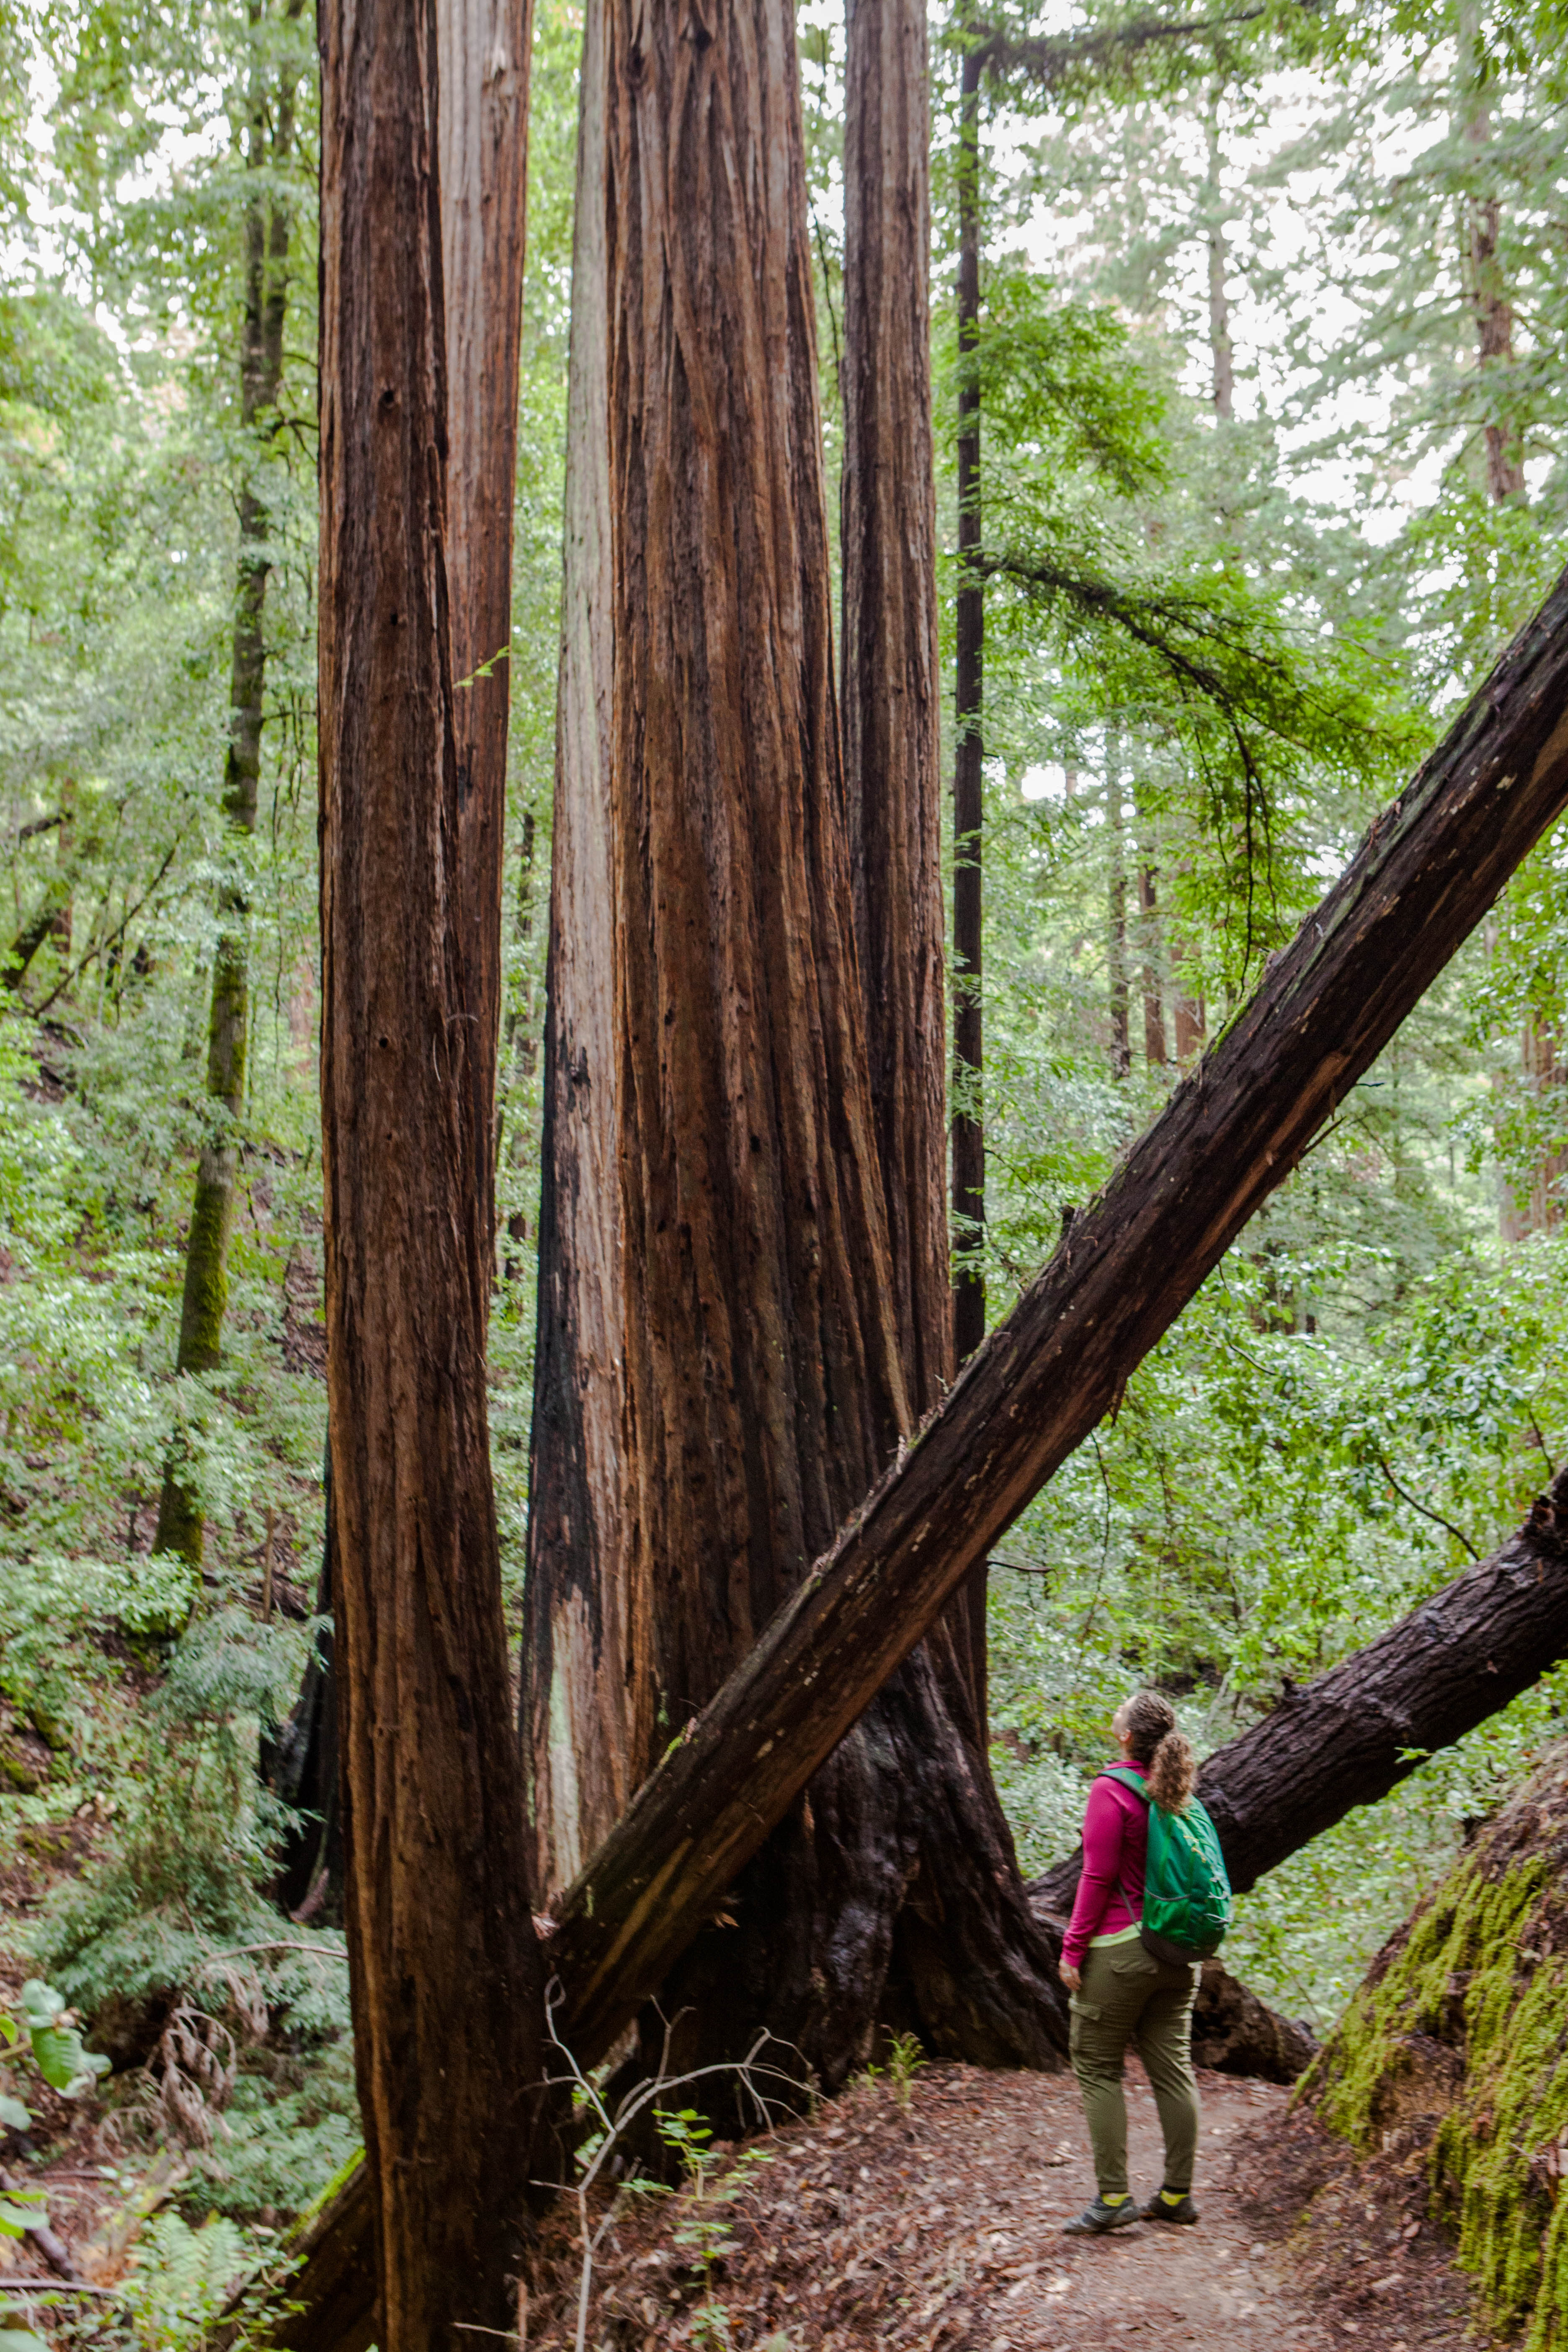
[
  {"x": 111, "y": 938},
  {"x": 1048, "y": 58},
  {"x": 1436, "y": 1517}
]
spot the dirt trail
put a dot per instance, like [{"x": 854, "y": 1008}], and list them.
[{"x": 941, "y": 2228}]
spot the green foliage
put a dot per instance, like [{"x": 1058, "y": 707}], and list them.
[
  {"x": 713, "y": 2185},
  {"x": 180, "y": 2279}
]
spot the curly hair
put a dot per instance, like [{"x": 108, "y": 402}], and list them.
[{"x": 1170, "y": 1768}]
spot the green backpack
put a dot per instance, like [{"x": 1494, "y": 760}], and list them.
[{"x": 1188, "y": 1901}]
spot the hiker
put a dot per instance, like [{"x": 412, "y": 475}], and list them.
[{"x": 1120, "y": 1992}]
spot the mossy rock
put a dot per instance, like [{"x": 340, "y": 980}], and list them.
[
  {"x": 1454, "y": 2054},
  {"x": 19, "y": 1771}
]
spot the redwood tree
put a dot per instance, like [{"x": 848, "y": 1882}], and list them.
[
  {"x": 577, "y": 1661},
  {"x": 445, "y": 1970},
  {"x": 892, "y": 764},
  {"x": 773, "y": 1329}
]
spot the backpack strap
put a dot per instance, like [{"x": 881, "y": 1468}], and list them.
[{"x": 1127, "y": 1778}]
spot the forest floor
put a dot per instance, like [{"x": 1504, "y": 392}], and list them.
[
  {"x": 931, "y": 2223},
  {"x": 939, "y": 2226}
]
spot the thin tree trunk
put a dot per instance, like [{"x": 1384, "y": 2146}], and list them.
[
  {"x": 204, "y": 1299},
  {"x": 1485, "y": 282},
  {"x": 891, "y": 662},
  {"x": 445, "y": 1970},
  {"x": 1425, "y": 876},
  {"x": 1350, "y": 1736},
  {"x": 891, "y": 691},
  {"x": 1116, "y": 939},
  {"x": 1151, "y": 947},
  {"x": 1222, "y": 351},
  {"x": 484, "y": 48},
  {"x": 968, "y": 786},
  {"x": 299, "y": 1763},
  {"x": 1535, "y": 1207},
  {"x": 583, "y": 1758}
]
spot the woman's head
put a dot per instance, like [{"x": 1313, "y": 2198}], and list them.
[{"x": 1148, "y": 1724}]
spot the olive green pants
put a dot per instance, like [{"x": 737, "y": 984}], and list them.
[{"x": 1127, "y": 1997}]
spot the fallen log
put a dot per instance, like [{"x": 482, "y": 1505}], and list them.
[
  {"x": 1430, "y": 867},
  {"x": 1350, "y": 1736}
]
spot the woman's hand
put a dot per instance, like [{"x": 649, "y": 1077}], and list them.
[{"x": 1072, "y": 1978}]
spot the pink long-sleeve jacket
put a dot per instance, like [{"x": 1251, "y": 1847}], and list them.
[{"x": 1115, "y": 1847}]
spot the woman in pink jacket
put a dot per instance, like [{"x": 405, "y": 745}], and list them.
[{"x": 1120, "y": 1994}]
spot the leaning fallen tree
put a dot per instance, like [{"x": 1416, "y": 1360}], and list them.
[
  {"x": 1427, "y": 871},
  {"x": 1353, "y": 1735},
  {"x": 1429, "y": 868}
]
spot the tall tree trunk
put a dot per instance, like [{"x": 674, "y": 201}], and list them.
[
  {"x": 1535, "y": 1207},
  {"x": 484, "y": 48},
  {"x": 1152, "y": 953},
  {"x": 968, "y": 784},
  {"x": 892, "y": 771},
  {"x": 581, "y": 1758},
  {"x": 270, "y": 139},
  {"x": 891, "y": 661},
  {"x": 1485, "y": 283},
  {"x": 1426, "y": 873},
  {"x": 445, "y": 1969},
  {"x": 1222, "y": 351},
  {"x": 764, "y": 1383},
  {"x": 1116, "y": 911}
]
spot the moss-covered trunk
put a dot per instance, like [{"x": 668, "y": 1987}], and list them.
[{"x": 206, "y": 1297}]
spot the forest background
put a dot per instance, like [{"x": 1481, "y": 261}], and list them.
[{"x": 1270, "y": 372}]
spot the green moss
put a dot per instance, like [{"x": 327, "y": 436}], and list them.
[
  {"x": 207, "y": 1273},
  {"x": 1470, "y": 1975}
]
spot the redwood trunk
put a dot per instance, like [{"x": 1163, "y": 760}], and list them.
[
  {"x": 483, "y": 49},
  {"x": 582, "y": 1760},
  {"x": 891, "y": 661},
  {"x": 968, "y": 786},
  {"x": 445, "y": 1972},
  {"x": 763, "y": 1383},
  {"x": 1353, "y": 1735},
  {"x": 892, "y": 672}
]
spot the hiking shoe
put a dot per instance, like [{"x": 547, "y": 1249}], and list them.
[
  {"x": 1161, "y": 2209},
  {"x": 1096, "y": 2219}
]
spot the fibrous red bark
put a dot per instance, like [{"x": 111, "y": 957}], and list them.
[
  {"x": 483, "y": 54},
  {"x": 578, "y": 1710},
  {"x": 968, "y": 755},
  {"x": 444, "y": 1974}
]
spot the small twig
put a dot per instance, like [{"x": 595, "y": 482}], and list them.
[
  {"x": 242, "y": 1951},
  {"x": 1436, "y": 1517},
  {"x": 630, "y": 2108},
  {"x": 9, "y": 2285}
]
